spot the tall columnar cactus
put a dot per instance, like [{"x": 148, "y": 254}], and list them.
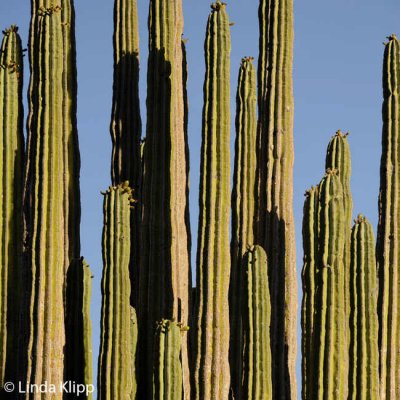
[
  {"x": 330, "y": 342},
  {"x": 11, "y": 168},
  {"x": 211, "y": 342},
  {"x": 165, "y": 276},
  {"x": 167, "y": 367},
  {"x": 242, "y": 202},
  {"x": 115, "y": 372},
  {"x": 309, "y": 275},
  {"x": 78, "y": 362},
  {"x": 256, "y": 383},
  {"x": 275, "y": 225},
  {"x": 51, "y": 194},
  {"x": 388, "y": 241},
  {"x": 126, "y": 125},
  {"x": 364, "y": 353}
]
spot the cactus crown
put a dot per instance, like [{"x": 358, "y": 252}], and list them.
[
  {"x": 11, "y": 29},
  {"x": 339, "y": 133},
  {"x": 125, "y": 188},
  {"x": 218, "y": 6},
  {"x": 247, "y": 59},
  {"x": 360, "y": 219}
]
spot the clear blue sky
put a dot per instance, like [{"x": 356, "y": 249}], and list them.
[{"x": 337, "y": 85}]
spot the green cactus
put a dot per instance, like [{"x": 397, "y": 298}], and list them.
[
  {"x": 11, "y": 184},
  {"x": 242, "y": 203},
  {"x": 78, "y": 357},
  {"x": 211, "y": 341},
  {"x": 51, "y": 194},
  {"x": 256, "y": 310},
  {"x": 364, "y": 353},
  {"x": 388, "y": 250},
  {"x": 165, "y": 277},
  {"x": 167, "y": 369},
  {"x": 309, "y": 275},
  {"x": 330, "y": 342},
  {"x": 274, "y": 229},
  {"x": 115, "y": 371}
]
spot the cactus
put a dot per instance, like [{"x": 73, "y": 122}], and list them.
[
  {"x": 115, "y": 379},
  {"x": 51, "y": 192},
  {"x": 211, "y": 341},
  {"x": 78, "y": 362},
  {"x": 330, "y": 326},
  {"x": 388, "y": 250},
  {"x": 310, "y": 247},
  {"x": 364, "y": 353},
  {"x": 11, "y": 168},
  {"x": 242, "y": 203},
  {"x": 165, "y": 277},
  {"x": 126, "y": 125},
  {"x": 257, "y": 367},
  {"x": 274, "y": 229},
  {"x": 167, "y": 374}
]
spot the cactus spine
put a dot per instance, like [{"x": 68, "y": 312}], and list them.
[
  {"x": 364, "y": 354},
  {"x": 388, "y": 250},
  {"x": 51, "y": 194},
  {"x": 115, "y": 379},
  {"x": 211, "y": 342},
  {"x": 257, "y": 366},
  {"x": 275, "y": 225},
  {"x": 165, "y": 277},
  {"x": 11, "y": 167},
  {"x": 167, "y": 374},
  {"x": 242, "y": 202}
]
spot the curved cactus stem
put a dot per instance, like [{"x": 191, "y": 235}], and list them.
[{"x": 211, "y": 333}]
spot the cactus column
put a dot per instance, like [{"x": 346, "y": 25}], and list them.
[
  {"x": 51, "y": 197},
  {"x": 364, "y": 354},
  {"x": 165, "y": 276},
  {"x": 116, "y": 358},
  {"x": 211, "y": 342},
  {"x": 275, "y": 226},
  {"x": 388, "y": 241},
  {"x": 242, "y": 203},
  {"x": 11, "y": 168}
]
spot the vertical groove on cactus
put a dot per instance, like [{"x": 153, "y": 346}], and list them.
[
  {"x": 211, "y": 342},
  {"x": 242, "y": 203},
  {"x": 364, "y": 353},
  {"x": 134, "y": 340},
  {"x": 167, "y": 370},
  {"x": 78, "y": 354},
  {"x": 165, "y": 277},
  {"x": 330, "y": 340},
  {"x": 51, "y": 192},
  {"x": 275, "y": 225},
  {"x": 388, "y": 252},
  {"x": 126, "y": 124},
  {"x": 257, "y": 367},
  {"x": 115, "y": 380},
  {"x": 11, "y": 169},
  {"x": 310, "y": 247}
]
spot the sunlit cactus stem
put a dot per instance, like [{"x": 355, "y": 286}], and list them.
[{"x": 211, "y": 377}]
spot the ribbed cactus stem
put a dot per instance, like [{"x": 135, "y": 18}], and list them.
[
  {"x": 167, "y": 370},
  {"x": 275, "y": 229},
  {"x": 242, "y": 202},
  {"x": 51, "y": 197},
  {"x": 309, "y": 275},
  {"x": 330, "y": 340},
  {"x": 11, "y": 169},
  {"x": 115, "y": 380},
  {"x": 256, "y": 308},
  {"x": 211, "y": 341},
  {"x": 364, "y": 353},
  {"x": 165, "y": 277},
  {"x": 388, "y": 240}
]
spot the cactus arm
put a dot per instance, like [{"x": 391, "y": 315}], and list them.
[{"x": 211, "y": 343}]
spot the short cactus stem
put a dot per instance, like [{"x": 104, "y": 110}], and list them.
[
  {"x": 167, "y": 367},
  {"x": 211, "y": 331},
  {"x": 364, "y": 353}
]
